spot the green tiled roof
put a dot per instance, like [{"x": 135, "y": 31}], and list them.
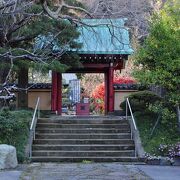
[
  {"x": 104, "y": 36},
  {"x": 98, "y": 36}
]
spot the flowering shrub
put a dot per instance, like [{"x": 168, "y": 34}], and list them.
[
  {"x": 163, "y": 149},
  {"x": 167, "y": 152},
  {"x": 151, "y": 157},
  {"x": 174, "y": 150},
  {"x": 171, "y": 151}
]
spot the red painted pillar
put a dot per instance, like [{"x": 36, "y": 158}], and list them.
[
  {"x": 59, "y": 93},
  {"x": 111, "y": 88},
  {"x": 54, "y": 91},
  {"x": 106, "y": 98}
]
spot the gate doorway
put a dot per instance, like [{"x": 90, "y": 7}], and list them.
[
  {"x": 83, "y": 94},
  {"x": 107, "y": 70}
]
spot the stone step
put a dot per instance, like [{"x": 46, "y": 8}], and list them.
[
  {"x": 59, "y": 125},
  {"x": 74, "y": 139},
  {"x": 84, "y": 136},
  {"x": 83, "y": 121},
  {"x": 86, "y": 159},
  {"x": 127, "y": 153},
  {"x": 83, "y": 147},
  {"x": 82, "y": 141},
  {"x": 82, "y": 130}
]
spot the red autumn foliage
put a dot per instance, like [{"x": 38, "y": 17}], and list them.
[
  {"x": 98, "y": 97},
  {"x": 124, "y": 80},
  {"x": 99, "y": 93}
]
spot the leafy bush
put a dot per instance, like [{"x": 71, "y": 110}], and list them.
[
  {"x": 141, "y": 100},
  {"x": 166, "y": 110},
  {"x": 163, "y": 136},
  {"x": 14, "y": 130}
]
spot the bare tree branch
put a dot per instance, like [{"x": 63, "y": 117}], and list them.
[{"x": 58, "y": 13}]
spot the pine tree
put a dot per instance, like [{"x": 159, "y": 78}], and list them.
[{"x": 31, "y": 38}]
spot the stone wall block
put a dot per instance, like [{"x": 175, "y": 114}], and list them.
[{"x": 8, "y": 158}]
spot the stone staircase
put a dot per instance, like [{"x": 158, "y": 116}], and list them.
[{"x": 65, "y": 139}]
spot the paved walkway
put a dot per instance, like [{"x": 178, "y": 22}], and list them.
[{"x": 91, "y": 171}]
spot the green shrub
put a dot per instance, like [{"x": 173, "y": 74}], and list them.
[
  {"x": 166, "y": 110},
  {"x": 163, "y": 133},
  {"x": 141, "y": 100},
  {"x": 14, "y": 129}
]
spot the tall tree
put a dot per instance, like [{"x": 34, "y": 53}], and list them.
[
  {"x": 30, "y": 37},
  {"x": 158, "y": 59}
]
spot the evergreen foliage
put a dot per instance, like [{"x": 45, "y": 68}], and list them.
[
  {"x": 14, "y": 130},
  {"x": 164, "y": 134},
  {"x": 141, "y": 100},
  {"x": 19, "y": 34},
  {"x": 158, "y": 59}
]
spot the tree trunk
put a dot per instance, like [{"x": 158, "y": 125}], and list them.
[
  {"x": 178, "y": 117},
  {"x": 23, "y": 84},
  {"x": 4, "y": 69}
]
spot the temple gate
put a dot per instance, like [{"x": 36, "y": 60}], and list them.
[{"x": 106, "y": 47}]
